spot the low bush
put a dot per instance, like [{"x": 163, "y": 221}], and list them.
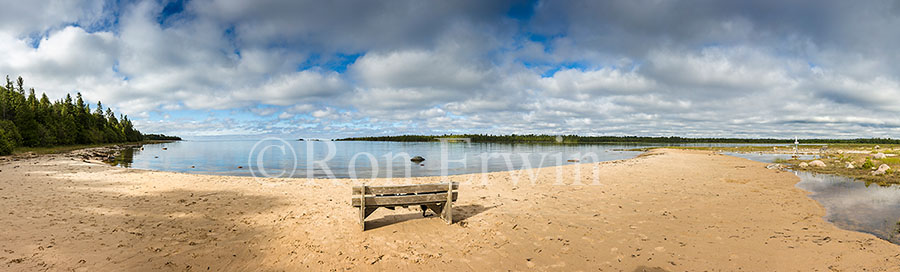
[
  {"x": 868, "y": 164},
  {"x": 9, "y": 137}
]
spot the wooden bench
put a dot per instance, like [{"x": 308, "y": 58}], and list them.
[{"x": 437, "y": 197}]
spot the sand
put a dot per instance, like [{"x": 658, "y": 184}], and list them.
[{"x": 670, "y": 210}]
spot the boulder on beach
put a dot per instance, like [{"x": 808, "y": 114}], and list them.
[
  {"x": 877, "y": 147},
  {"x": 881, "y": 170},
  {"x": 776, "y": 166},
  {"x": 417, "y": 159},
  {"x": 879, "y": 156},
  {"x": 850, "y": 165},
  {"x": 817, "y": 163},
  {"x": 803, "y": 164}
]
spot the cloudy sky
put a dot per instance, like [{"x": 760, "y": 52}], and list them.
[{"x": 349, "y": 68}]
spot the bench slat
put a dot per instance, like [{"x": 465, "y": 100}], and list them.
[
  {"x": 404, "y": 189},
  {"x": 381, "y": 201}
]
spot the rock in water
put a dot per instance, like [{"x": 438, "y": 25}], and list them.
[
  {"x": 881, "y": 170},
  {"x": 803, "y": 165},
  {"x": 879, "y": 156},
  {"x": 417, "y": 159},
  {"x": 817, "y": 163}
]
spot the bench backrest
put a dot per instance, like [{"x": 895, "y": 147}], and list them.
[{"x": 402, "y": 195}]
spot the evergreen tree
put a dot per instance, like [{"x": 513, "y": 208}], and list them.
[
  {"x": 21, "y": 83},
  {"x": 28, "y": 126},
  {"x": 26, "y": 120},
  {"x": 9, "y": 136}
]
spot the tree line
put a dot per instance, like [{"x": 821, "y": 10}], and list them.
[
  {"x": 26, "y": 120},
  {"x": 543, "y": 138}
]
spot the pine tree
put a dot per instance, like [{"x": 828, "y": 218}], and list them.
[
  {"x": 28, "y": 126},
  {"x": 4, "y": 103},
  {"x": 29, "y": 121},
  {"x": 21, "y": 83}
]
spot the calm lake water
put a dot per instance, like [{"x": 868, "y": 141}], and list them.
[
  {"x": 359, "y": 159},
  {"x": 850, "y": 204}
]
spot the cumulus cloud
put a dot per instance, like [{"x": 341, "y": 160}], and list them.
[{"x": 345, "y": 68}]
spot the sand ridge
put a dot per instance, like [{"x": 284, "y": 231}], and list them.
[{"x": 671, "y": 210}]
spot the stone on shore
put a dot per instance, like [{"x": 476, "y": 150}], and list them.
[
  {"x": 803, "y": 165},
  {"x": 881, "y": 170},
  {"x": 879, "y": 156},
  {"x": 817, "y": 163}
]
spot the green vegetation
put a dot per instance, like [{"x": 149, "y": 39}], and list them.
[
  {"x": 780, "y": 160},
  {"x": 868, "y": 164},
  {"x": 68, "y": 148},
  {"x": 891, "y": 160},
  {"x": 32, "y": 122},
  {"x": 534, "y": 138},
  {"x": 836, "y": 157},
  {"x": 836, "y": 162},
  {"x": 160, "y": 137}
]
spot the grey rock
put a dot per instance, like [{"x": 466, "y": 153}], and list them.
[
  {"x": 881, "y": 170},
  {"x": 817, "y": 163}
]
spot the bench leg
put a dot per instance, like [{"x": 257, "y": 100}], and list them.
[
  {"x": 362, "y": 217},
  {"x": 362, "y": 209},
  {"x": 448, "y": 208},
  {"x": 448, "y": 212}
]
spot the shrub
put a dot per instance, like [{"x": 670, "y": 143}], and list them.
[
  {"x": 9, "y": 137},
  {"x": 868, "y": 164}
]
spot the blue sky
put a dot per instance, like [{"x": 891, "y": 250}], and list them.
[{"x": 329, "y": 69}]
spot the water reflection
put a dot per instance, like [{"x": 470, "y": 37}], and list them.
[
  {"x": 849, "y": 204},
  {"x": 125, "y": 157},
  {"x": 855, "y": 205}
]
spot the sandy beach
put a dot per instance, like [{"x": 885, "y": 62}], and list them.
[{"x": 668, "y": 210}]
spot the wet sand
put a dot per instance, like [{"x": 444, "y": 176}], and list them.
[{"x": 670, "y": 210}]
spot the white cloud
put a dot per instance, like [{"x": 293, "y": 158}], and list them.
[
  {"x": 465, "y": 66},
  {"x": 606, "y": 81}
]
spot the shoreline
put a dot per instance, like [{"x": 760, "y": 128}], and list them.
[
  {"x": 674, "y": 210},
  {"x": 837, "y": 159}
]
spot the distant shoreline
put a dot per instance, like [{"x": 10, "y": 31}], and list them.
[{"x": 571, "y": 139}]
